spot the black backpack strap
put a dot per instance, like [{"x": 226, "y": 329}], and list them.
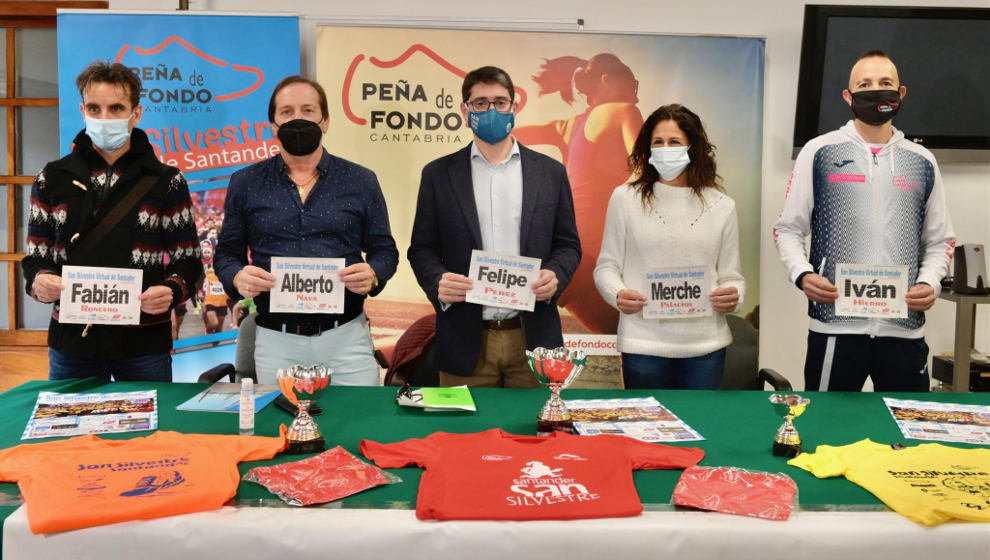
[{"x": 100, "y": 230}]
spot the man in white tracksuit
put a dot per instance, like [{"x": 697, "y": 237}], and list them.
[{"x": 866, "y": 195}]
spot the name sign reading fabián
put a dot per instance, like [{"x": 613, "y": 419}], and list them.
[{"x": 100, "y": 296}]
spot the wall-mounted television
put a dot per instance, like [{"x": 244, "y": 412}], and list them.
[{"x": 942, "y": 56}]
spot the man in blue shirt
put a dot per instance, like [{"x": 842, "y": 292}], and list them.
[{"x": 305, "y": 202}]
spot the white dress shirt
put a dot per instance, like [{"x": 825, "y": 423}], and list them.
[{"x": 498, "y": 197}]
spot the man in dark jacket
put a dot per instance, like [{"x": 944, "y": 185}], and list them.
[
  {"x": 69, "y": 200},
  {"x": 498, "y": 196}
]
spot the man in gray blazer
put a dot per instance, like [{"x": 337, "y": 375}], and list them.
[{"x": 498, "y": 196}]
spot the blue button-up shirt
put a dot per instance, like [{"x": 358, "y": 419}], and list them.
[{"x": 343, "y": 217}]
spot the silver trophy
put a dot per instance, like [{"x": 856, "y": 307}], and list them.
[
  {"x": 787, "y": 442},
  {"x": 302, "y": 385},
  {"x": 555, "y": 368}
]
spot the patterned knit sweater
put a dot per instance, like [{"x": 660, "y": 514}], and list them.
[{"x": 71, "y": 196}]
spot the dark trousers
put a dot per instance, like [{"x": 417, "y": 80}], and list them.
[
  {"x": 153, "y": 367},
  {"x": 842, "y": 362},
  {"x": 640, "y": 371}
]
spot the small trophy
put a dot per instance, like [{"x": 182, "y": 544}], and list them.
[
  {"x": 555, "y": 369},
  {"x": 787, "y": 442},
  {"x": 302, "y": 385}
]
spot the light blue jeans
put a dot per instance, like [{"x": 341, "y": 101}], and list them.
[{"x": 347, "y": 350}]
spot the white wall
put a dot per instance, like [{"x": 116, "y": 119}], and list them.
[{"x": 783, "y": 320}]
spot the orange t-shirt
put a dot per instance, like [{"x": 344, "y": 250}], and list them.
[{"x": 87, "y": 481}]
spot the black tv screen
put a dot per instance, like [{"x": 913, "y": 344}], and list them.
[{"x": 942, "y": 57}]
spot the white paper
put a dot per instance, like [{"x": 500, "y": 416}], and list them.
[
  {"x": 642, "y": 418},
  {"x": 307, "y": 285},
  {"x": 677, "y": 293},
  {"x": 503, "y": 280},
  {"x": 873, "y": 291},
  {"x": 75, "y": 414},
  {"x": 938, "y": 421},
  {"x": 100, "y": 296}
]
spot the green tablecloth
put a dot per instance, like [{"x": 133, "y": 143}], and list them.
[{"x": 739, "y": 427}]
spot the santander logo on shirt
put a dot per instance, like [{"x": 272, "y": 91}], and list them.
[
  {"x": 543, "y": 485},
  {"x": 495, "y": 457}
]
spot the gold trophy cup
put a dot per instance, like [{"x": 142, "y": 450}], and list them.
[
  {"x": 787, "y": 442},
  {"x": 302, "y": 385}
]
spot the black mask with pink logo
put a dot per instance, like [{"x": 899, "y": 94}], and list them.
[{"x": 876, "y": 106}]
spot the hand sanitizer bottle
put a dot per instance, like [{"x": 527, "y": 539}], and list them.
[{"x": 247, "y": 407}]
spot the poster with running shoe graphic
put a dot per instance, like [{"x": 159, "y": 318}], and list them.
[
  {"x": 206, "y": 80},
  {"x": 396, "y": 104}
]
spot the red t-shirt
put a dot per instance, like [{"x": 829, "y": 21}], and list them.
[
  {"x": 87, "y": 481},
  {"x": 500, "y": 476}
]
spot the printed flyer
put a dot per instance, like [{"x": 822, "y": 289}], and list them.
[
  {"x": 677, "y": 293},
  {"x": 644, "y": 419},
  {"x": 937, "y": 421},
  {"x": 304, "y": 285},
  {"x": 226, "y": 397},
  {"x": 503, "y": 280},
  {"x": 76, "y": 414},
  {"x": 871, "y": 291},
  {"x": 100, "y": 296}
]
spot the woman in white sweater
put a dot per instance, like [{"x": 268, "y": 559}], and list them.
[{"x": 673, "y": 213}]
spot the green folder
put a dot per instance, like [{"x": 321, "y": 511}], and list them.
[{"x": 447, "y": 398}]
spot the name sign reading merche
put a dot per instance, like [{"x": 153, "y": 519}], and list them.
[
  {"x": 677, "y": 293},
  {"x": 100, "y": 296},
  {"x": 873, "y": 291},
  {"x": 307, "y": 285},
  {"x": 503, "y": 280}
]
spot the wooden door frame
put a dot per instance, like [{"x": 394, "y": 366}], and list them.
[{"x": 15, "y": 16}]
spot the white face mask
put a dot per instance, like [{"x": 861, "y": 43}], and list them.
[
  {"x": 670, "y": 162},
  {"x": 108, "y": 134}
]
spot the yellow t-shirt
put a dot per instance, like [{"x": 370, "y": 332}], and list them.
[{"x": 928, "y": 483}]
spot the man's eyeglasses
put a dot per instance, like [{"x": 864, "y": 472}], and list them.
[{"x": 501, "y": 104}]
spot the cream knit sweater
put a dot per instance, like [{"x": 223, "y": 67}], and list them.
[{"x": 679, "y": 231}]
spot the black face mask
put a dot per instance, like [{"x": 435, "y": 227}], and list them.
[
  {"x": 300, "y": 137},
  {"x": 876, "y": 106}
]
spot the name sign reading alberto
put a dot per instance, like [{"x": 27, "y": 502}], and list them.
[
  {"x": 503, "y": 280},
  {"x": 867, "y": 290},
  {"x": 677, "y": 293},
  {"x": 304, "y": 285},
  {"x": 100, "y": 296}
]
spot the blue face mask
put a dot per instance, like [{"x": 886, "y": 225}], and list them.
[
  {"x": 108, "y": 134},
  {"x": 491, "y": 126}
]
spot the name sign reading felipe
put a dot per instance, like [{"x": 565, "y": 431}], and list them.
[
  {"x": 677, "y": 293},
  {"x": 304, "y": 285},
  {"x": 873, "y": 291},
  {"x": 503, "y": 280},
  {"x": 100, "y": 296}
]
